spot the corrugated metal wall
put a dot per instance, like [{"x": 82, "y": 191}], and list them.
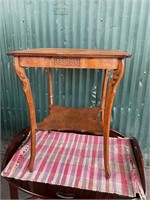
[{"x": 100, "y": 24}]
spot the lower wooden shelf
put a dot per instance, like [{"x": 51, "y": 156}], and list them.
[{"x": 72, "y": 119}]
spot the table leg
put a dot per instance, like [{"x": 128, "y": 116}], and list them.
[
  {"x": 112, "y": 87},
  {"x": 28, "y": 94},
  {"x": 13, "y": 192},
  {"x": 50, "y": 89},
  {"x": 103, "y": 96}
]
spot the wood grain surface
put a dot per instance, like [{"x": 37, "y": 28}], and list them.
[{"x": 65, "y": 52}]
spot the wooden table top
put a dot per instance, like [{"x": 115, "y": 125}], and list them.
[{"x": 65, "y": 52}]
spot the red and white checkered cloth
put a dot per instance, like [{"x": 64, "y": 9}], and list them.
[{"x": 76, "y": 160}]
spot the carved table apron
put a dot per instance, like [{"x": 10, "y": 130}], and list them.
[{"x": 78, "y": 59}]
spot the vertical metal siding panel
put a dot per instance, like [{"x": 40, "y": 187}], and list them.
[
  {"x": 3, "y": 112},
  {"x": 138, "y": 85},
  {"x": 87, "y": 86},
  {"x": 74, "y": 23},
  {"x": 73, "y": 88},
  {"x": 135, "y": 79},
  {"x": 67, "y": 88},
  {"x": 119, "y": 32},
  {"x": 108, "y": 16},
  {"x": 80, "y": 89},
  {"x": 88, "y": 41},
  {"x": 15, "y": 33},
  {"x": 6, "y": 74},
  {"x": 98, "y": 21}
]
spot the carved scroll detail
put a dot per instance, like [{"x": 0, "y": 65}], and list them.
[
  {"x": 67, "y": 61},
  {"x": 28, "y": 94},
  {"x": 113, "y": 84}
]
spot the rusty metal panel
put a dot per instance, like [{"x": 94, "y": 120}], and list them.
[{"x": 100, "y": 24}]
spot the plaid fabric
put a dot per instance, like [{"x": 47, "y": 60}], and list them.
[{"x": 76, "y": 160}]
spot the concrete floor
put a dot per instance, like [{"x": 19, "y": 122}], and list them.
[{"x": 6, "y": 195}]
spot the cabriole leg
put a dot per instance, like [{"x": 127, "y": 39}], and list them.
[
  {"x": 50, "y": 90},
  {"x": 112, "y": 87},
  {"x": 29, "y": 98}
]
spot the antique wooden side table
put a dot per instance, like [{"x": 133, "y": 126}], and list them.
[{"x": 95, "y": 120}]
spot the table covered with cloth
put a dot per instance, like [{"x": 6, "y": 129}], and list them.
[{"x": 76, "y": 160}]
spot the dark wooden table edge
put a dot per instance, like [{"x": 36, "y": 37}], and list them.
[
  {"x": 139, "y": 161},
  {"x": 20, "y": 137}
]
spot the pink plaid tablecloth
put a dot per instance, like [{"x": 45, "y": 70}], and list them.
[{"x": 76, "y": 160}]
